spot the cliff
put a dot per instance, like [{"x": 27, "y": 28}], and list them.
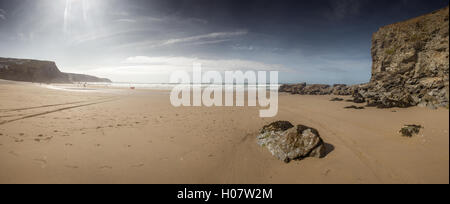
[
  {"x": 410, "y": 63},
  {"x": 40, "y": 72},
  {"x": 410, "y": 66}
]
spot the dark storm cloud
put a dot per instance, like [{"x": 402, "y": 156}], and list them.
[{"x": 324, "y": 41}]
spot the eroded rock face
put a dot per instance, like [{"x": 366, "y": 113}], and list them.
[
  {"x": 287, "y": 142},
  {"x": 410, "y": 63},
  {"x": 410, "y": 66}
]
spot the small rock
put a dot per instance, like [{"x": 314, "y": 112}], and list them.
[
  {"x": 354, "y": 107},
  {"x": 337, "y": 99},
  {"x": 410, "y": 130}
]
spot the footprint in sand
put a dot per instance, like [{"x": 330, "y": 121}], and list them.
[
  {"x": 71, "y": 166},
  {"x": 13, "y": 153},
  {"x": 326, "y": 172},
  {"x": 42, "y": 162},
  {"x": 105, "y": 167},
  {"x": 69, "y": 145},
  {"x": 21, "y": 134},
  {"x": 1, "y": 134},
  {"x": 137, "y": 165},
  {"x": 18, "y": 140}
]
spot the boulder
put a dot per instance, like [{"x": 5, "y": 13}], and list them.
[{"x": 288, "y": 143}]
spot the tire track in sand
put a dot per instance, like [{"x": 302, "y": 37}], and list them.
[{"x": 32, "y": 115}]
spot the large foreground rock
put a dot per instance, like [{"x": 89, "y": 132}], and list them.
[{"x": 287, "y": 142}]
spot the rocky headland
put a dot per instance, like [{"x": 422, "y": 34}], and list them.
[
  {"x": 40, "y": 72},
  {"x": 410, "y": 66}
]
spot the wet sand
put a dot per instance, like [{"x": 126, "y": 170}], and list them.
[{"x": 136, "y": 136}]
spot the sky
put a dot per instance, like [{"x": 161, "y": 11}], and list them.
[{"x": 314, "y": 41}]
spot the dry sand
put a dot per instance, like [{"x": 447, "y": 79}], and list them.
[{"x": 136, "y": 136}]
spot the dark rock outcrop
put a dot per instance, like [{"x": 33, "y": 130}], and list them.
[
  {"x": 317, "y": 89},
  {"x": 337, "y": 99},
  {"x": 354, "y": 107},
  {"x": 287, "y": 142},
  {"x": 40, "y": 72}
]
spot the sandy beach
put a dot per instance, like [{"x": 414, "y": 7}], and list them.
[{"x": 67, "y": 135}]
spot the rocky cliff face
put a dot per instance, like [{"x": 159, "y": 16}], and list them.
[
  {"x": 410, "y": 63},
  {"x": 410, "y": 66},
  {"x": 39, "y": 72}
]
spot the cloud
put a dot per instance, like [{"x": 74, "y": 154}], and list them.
[
  {"x": 126, "y": 20},
  {"x": 211, "y": 38},
  {"x": 205, "y": 38},
  {"x": 344, "y": 8},
  {"x": 2, "y": 14},
  {"x": 145, "y": 69},
  {"x": 185, "y": 63}
]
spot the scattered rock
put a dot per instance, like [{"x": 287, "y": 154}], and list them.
[
  {"x": 410, "y": 130},
  {"x": 337, "y": 99},
  {"x": 358, "y": 98},
  {"x": 287, "y": 142},
  {"x": 317, "y": 89},
  {"x": 354, "y": 107}
]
